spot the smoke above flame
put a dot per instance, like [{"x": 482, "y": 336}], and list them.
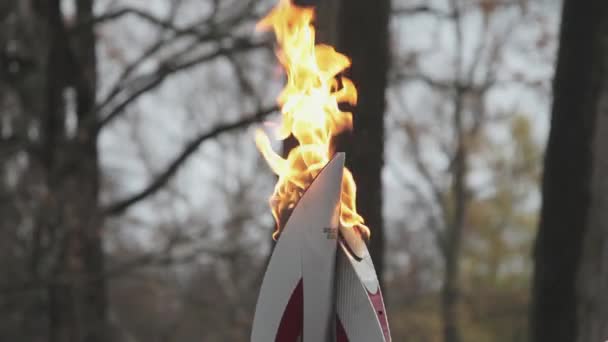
[{"x": 309, "y": 112}]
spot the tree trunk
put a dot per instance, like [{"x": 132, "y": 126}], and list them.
[
  {"x": 579, "y": 88},
  {"x": 77, "y": 296},
  {"x": 450, "y": 291},
  {"x": 364, "y": 37},
  {"x": 592, "y": 287}
]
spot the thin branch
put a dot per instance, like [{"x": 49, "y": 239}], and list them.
[
  {"x": 454, "y": 13},
  {"x": 120, "y": 206},
  {"x": 405, "y": 76},
  {"x": 158, "y": 258},
  {"x": 421, "y": 10},
  {"x": 436, "y": 227},
  {"x": 120, "y": 13},
  {"x": 145, "y": 83},
  {"x": 423, "y": 170},
  {"x": 206, "y": 30}
]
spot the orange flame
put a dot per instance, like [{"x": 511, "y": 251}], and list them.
[{"x": 309, "y": 107}]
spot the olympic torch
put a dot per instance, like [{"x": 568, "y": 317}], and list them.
[{"x": 320, "y": 284}]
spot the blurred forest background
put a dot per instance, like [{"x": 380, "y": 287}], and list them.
[{"x": 133, "y": 202}]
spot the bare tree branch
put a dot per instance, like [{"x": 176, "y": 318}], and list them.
[
  {"x": 144, "y": 83},
  {"x": 121, "y": 205},
  {"x": 424, "y": 9},
  {"x": 400, "y": 76},
  {"x": 168, "y": 25},
  {"x": 421, "y": 10},
  {"x": 207, "y": 30}
]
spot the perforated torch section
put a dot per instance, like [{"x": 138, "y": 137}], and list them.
[{"x": 356, "y": 312}]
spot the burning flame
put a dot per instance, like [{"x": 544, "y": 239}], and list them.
[{"x": 309, "y": 107}]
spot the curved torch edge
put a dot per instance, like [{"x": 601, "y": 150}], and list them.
[
  {"x": 295, "y": 302},
  {"x": 361, "y": 314}
]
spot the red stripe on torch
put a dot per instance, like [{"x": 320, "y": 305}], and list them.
[{"x": 290, "y": 328}]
